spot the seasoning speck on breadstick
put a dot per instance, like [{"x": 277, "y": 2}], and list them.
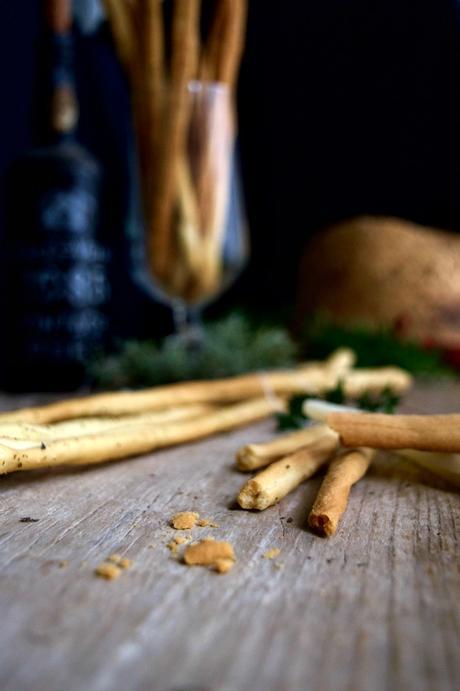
[
  {"x": 333, "y": 494},
  {"x": 253, "y": 456},
  {"x": 275, "y": 482}
]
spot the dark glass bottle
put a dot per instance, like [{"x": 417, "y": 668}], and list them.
[{"x": 57, "y": 271}]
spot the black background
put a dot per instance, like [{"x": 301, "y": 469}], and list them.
[{"x": 346, "y": 107}]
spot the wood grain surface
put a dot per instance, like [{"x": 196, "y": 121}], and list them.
[{"x": 375, "y": 607}]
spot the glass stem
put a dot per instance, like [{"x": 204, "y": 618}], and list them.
[{"x": 188, "y": 324}]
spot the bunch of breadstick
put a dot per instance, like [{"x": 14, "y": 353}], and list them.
[
  {"x": 344, "y": 440},
  {"x": 170, "y": 63},
  {"x": 110, "y": 426}
]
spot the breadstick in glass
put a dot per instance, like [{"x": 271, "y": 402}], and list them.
[
  {"x": 331, "y": 501},
  {"x": 253, "y": 456},
  {"x": 272, "y": 484}
]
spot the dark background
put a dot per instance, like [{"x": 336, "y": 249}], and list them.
[{"x": 346, "y": 107}]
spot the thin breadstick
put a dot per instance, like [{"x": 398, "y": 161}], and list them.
[
  {"x": 379, "y": 431},
  {"x": 210, "y": 57},
  {"x": 331, "y": 501},
  {"x": 359, "y": 381},
  {"x": 131, "y": 440},
  {"x": 232, "y": 41},
  {"x": 309, "y": 379},
  {"x": 253, "y": 456},
  {"x": 446, "y": 465},
  {"x": 100, "y": 424},
  {"x": 121, "y": 23},
  {"x": 219, "y": 391},
  {"x": 184, "y": 58},
  {"x": 341, "y": 361},
  {"x": 25, "y": 431},
  {"x": 275, "y": 482},
  {"x": 151, "y": 86},
  {"x": 14, "y": 444}
]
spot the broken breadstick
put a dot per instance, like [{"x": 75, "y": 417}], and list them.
[
  {"x": 253, "y": 456},
  {"x": 131, "y": 440},
  {"x": 331, "y": 501},
  {"x": 380, "y": 431},
  {"x": 271, "y": 485}
]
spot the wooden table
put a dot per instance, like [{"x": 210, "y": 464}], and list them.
[{"x": 376, "y": 607}]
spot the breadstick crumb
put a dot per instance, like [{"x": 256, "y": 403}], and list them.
[
  {"x": 184, "y": 520},
  {"x": 206, "y": 523},
  {"x": 108, "y": 571},
  {"x": 219, "y": 556},
  {"x": 272, "y": 553}
]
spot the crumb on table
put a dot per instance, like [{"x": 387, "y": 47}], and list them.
[
  {"x": 108, "y": 571},
  {"x": 219, "y": 556},
  {"x": 207, "y": 523},
  {"x": 176, "y": 541},
  {"x": 271, "y": 553},
  {"x": 120, "y": 561},
  {"x": 184, "y": 520}
]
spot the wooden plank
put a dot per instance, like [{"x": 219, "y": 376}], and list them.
[{"x": 377, "y": 606}]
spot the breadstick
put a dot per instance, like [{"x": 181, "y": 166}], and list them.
[
  {"x": 379, "y": 431},
  {"x": 151, "y": 85},
  {"x": 210, "y": 57},
  {"x": 446, "y": 465},
  {"x": 309, "y": 378},
  {"x": 121, "y": 23},
  {"x": 253, "y": 456},
  {"x": 24, "y": 431},
  {"x": 184, "y": 58},
  {"x": 341, "y": 361},
  {"x": 232, "y": 40},
  {"x": 359, "y": 381},
  {"x": 131, "y": 440},
  {"x": 100, "y": 424},
  {"x": 271, "y": 485},
  {"x": 333, "y": 494},
  {"x": 60, "y": 430}
]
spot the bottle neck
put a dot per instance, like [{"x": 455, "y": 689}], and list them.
[{"x": 64, "y": 104}]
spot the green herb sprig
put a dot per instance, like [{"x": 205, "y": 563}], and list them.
[{"x": 295, "y": 418}]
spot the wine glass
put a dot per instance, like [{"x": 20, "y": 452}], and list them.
[{"x": 206, "y": 230}]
